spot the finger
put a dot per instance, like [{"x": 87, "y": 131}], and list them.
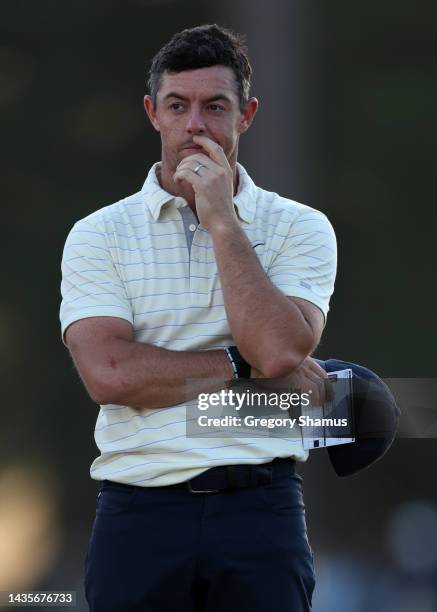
[
  {"x": 319, "y": 371},
  {"x": 311, "y": 387},
  {"x": 318, "y": 385},
  {"x": 310, "y": 373},
  {"x": 193, "y": 164},
  {"x": 314, "y": 367},
  {"x": 214, "y": 150},
  {"x": 187, "y": 174},
  {"x": 301, "y": 383},
  {"x": 191, "y": 167},
  {"x": 198, "y": 158},
  {"x": 318, "y": 394}
]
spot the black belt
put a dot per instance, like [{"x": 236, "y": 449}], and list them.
[{"x": 231, "y": 477}]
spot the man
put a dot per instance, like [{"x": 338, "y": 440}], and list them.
[{"x": 201, "y": 275}]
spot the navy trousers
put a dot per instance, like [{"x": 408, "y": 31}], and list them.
[{"x": 164, "y": 549}]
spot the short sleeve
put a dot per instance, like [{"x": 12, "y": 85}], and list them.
[
  {"x": 306, "y": 264},
  {"x": 91, "y": 286}
]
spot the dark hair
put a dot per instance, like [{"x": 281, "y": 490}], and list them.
[{"x": 202, "y": 47}]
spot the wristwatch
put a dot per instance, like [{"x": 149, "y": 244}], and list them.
[{"x": 239, "y": 364}]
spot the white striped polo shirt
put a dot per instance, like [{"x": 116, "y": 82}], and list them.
[{"x": 147, "y": 260}]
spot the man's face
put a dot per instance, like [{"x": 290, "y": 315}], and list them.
[{"x": 198, "y": 102}]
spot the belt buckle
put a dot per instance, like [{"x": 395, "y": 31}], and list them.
[{"x": 191, "y": 490}]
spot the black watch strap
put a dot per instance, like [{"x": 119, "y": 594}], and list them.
[{"x": 242, "y": 368}]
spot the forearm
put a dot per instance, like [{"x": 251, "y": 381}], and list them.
[
  {"x": 269, "y": 329},
  {"x": 144, "y": 376}
]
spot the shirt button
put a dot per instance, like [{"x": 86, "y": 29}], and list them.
[{"x": 192, "y": 228}]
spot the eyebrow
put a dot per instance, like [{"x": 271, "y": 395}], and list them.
[{"x": 174, "y": 94}]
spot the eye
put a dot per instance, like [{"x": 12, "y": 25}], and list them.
[
  {"x": 216, "y": 107},
  {"x": 176, "y": 106}
]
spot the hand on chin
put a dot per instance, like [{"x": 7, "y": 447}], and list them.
[{"x": 185, "y": 190}]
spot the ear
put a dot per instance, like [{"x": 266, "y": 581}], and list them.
[
  {"x": 248, "y": 115},
  {"x": 150, "y": 110}
]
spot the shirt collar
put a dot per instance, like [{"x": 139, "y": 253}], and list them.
[
  {"x": 245, "y": 198},
  {"x": 154, "y": 196}
]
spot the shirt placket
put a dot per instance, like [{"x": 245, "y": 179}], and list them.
[{"x": 201, "y": 257}]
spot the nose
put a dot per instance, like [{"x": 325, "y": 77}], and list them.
[{"x": 195, "y": 123}]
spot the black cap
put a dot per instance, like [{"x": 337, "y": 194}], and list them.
[{"x": 376, "y": 418}]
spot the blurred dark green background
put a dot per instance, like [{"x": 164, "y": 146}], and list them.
[{"x": 348, "y": 96}]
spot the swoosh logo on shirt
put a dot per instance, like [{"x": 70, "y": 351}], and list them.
[{"x": 255, "y": 244}]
